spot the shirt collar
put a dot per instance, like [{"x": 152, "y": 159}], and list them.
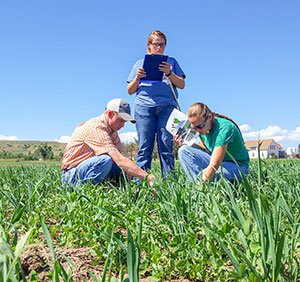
[{"x": 104, "y": 120}]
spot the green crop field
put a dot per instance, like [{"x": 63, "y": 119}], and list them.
[
  {"x": 178, "y": 232},
  {"x": 14, "y": 163}
]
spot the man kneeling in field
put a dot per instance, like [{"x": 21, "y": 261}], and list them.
[{"x": 94, "y": 152}]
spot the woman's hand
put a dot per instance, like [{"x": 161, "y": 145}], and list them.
[
  {"x": 177, "y": 81},
  {"x": 205, "y": 177},
  {"x": 134, "y": 84},
  {"x": 178, "y": 140},
  {"x": 140, "y": 73},
  {"x": 216, "y": 160},
  {"x": 165, "y": 67}
]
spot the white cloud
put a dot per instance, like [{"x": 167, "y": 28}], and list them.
[
  {"x": 244, "y": 127},
  {"x": 2, "y": 137},
  {"x": 63, "y": 139},
  {"x": 288, "y": 138},
  {"x": 295, "y": 134},
  {"x": 128, "y": 137},
  {"x": 267, "y": 133}
]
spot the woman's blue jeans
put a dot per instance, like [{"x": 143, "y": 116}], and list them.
[
  {"x": 151, "y": 122},
  {"x": 94, "y": 170},
  {"x": 193, "y": 160}
]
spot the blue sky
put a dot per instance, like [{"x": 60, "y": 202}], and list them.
[{"x": 62, "y": 60}]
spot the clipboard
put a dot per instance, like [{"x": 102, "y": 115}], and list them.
[{"x": 151, "y": 63}]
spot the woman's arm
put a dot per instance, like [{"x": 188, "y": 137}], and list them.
[
  {"x": 177, "y": 80},
  {"x": 216, "y": 160},
  {"x": 134, "y": 84}
]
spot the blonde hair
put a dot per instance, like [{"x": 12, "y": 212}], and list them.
[{"x": 151, "y": 36}]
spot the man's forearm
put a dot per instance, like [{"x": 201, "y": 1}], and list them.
[{"x": 131, "y": 168}]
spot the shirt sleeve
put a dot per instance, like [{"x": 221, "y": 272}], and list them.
[
  {"x": 132, "y": 74},
  {"x": 226, "y": 136},
  {"x": 177, "y": 69}
]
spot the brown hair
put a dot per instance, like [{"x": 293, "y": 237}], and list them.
[
  {"x": 199, "y": 109},
  {"x": 155, "y": 33},
  {"x": 202, "y": 110}
]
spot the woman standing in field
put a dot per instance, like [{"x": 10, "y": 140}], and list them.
[
  {"x": 222, "y": 151},
  {"x": 154, "y": 103}
]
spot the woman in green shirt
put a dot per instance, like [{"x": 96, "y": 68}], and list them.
[{"x": 222, "y": 150}]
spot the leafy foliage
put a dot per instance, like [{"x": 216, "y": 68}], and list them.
[
  {"x": 46, "y": 151},
  {"x": 246, "y": 231}
]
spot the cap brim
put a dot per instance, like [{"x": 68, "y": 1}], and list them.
[{"x": 127, "y": 117}]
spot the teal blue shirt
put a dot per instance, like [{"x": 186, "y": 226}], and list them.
[{"x": 225, "y": 132}]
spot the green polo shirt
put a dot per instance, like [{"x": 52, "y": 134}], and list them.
[{"x": 225, "y": 132}]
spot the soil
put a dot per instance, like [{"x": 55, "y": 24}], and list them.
[{"x": 38, "y": 258}]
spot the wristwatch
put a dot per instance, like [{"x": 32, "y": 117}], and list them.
[{"x": 169, "y": 73}]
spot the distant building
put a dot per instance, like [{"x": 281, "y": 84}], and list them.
[
  {"x": 291, "y": 152},
  {"x": 267, "y": 147}
]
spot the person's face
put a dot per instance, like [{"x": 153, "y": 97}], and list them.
[
  {"x": 200, "y": 124},
  {"x": 116, "y": 122},
  {"x": 157, "y": 45}
]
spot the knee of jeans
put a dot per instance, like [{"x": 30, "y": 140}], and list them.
[
  {"x": 100, "y": 164},
  {"x": 182, "y": 152},
  {"x": 107, "y": 162},
  {"x": 145, "y": 152},
  {"x": 164, "y": 135},
  {"x": 165, "y": 145}
]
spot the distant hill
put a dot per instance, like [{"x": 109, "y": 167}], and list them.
[{"x": 29, "y": 147}]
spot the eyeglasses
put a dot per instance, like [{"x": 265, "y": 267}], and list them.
[
  {"x": 156, "y": 45},
  {"x": 199, "y": 126}
]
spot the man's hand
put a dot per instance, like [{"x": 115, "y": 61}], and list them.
[
  {"x": 129, "y": 176},
  {"x": 150, "y": 180}
]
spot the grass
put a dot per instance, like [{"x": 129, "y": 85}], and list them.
[
  {"x": 216, "y": 232},
  {"x": 13, "y": 163}
]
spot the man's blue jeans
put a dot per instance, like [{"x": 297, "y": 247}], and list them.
[
  {"x": 94, "y": 170},
  {"x": 151, "y": 122},
  {"x": 193, "y": 160}
]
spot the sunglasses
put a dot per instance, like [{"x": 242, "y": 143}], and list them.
[{"x": 199, "y": 126}]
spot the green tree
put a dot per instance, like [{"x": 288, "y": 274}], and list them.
[
  {"x": 45, "y": 151},
  {"x": 130, "y": 149},
  {"x": 272, "y": 156}
]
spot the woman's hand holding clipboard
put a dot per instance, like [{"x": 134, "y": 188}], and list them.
[{"x": 154, "y": 67}]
